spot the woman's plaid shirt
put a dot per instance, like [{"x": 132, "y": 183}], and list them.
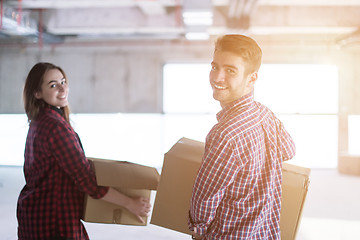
[
  {"x": 237, "y": 192},
  {"x": 57, "y": 175}
]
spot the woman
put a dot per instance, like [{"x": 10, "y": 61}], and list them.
[{"x": 56, "y": 170}]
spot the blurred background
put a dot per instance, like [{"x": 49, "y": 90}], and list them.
[{"x": 138, "y": 74}]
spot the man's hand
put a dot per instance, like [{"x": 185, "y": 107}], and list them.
[{"x": 196, "y": 236}]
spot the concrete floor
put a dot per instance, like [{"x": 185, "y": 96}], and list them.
[{"x": 331, "y": 212}]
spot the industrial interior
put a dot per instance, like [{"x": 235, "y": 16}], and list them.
[{"x": 138, "y": 73}]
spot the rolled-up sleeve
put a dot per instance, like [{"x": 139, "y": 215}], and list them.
[{"x": 285, "y": 143}]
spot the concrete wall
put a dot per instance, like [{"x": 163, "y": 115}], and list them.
[
  {"x": 128, "y": 78},
  {"x": 102, "y": 79}
]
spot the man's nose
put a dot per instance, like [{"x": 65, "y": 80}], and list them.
[{"x": 220, "y": 76}]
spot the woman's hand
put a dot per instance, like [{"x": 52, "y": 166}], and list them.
[{"x": 140, "y": 207}]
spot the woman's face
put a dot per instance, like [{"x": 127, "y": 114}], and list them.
[{"x": 54, "y": 89}]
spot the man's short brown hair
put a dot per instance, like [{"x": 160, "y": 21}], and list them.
[{"x": 243, "y": 46}]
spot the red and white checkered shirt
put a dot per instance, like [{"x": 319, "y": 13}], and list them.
[{"x": 237, "y": 192}]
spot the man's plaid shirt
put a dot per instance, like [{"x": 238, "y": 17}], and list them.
[{"x": 237, "y": 192}]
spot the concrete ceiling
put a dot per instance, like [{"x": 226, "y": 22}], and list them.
[{"x": 62, "y": 21}]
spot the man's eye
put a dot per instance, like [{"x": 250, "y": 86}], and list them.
[
  {"x": 213, "y": 68},
  {"x": 230, "y": 71}
]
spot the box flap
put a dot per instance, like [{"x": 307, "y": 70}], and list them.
[
  {"x": 187, "y": 148},
  {"x": 125, "y": 174},
  {"x": 296, "y": 169}
]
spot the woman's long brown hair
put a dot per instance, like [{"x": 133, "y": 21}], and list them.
[{"x": 33, "y": 84}]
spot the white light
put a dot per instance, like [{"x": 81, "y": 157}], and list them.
[
  {"x": 197, "y": 14},
  {"x": 198, "y": 18},
  {"x": 197, "y": 36}
]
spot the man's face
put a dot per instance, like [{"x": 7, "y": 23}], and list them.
[{"x": 227, "y": 77}]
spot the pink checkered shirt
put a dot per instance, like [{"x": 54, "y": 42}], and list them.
[{"x": 237, "y": 192}]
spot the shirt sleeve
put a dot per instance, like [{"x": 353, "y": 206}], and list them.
[
  {"x": 286, "y": 144},
  {"x": 71, "y": 158},
  {"x": 217, "y": 171}
]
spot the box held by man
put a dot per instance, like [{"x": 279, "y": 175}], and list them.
[{"x": 180, "y": 167}]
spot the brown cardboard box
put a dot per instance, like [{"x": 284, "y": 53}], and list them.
[
  {"x": 294, "y": 190},
  {"x": 349, "y": 164},
  {"x": 129, "y": 178},
  {"x": 179, "y": 171}
]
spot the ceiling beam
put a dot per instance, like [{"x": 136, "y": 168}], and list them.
[
  {"x": 150, "y": 7},
  {"x": 310, "y": 2}
]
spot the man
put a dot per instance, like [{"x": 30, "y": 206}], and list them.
[{"x": 237, "y": 192}]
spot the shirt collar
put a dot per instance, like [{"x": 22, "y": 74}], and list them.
[
  {"x": 240, "y": 103},
  {"x": 59, "y": 110}
]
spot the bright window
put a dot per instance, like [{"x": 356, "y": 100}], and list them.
[
  {"x": 304, "y": 97},
  {"x": 186, "y": 89},
  {"x": 298, "y": 88}
]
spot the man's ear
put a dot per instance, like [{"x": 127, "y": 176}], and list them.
[
  {"x": 252, "y": 79},
  {"x": 38, "y": 95}
]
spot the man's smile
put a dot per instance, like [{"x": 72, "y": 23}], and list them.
[{"x": 219, "y": 87}]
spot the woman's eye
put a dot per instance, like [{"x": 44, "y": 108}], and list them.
[
  {"x": 53, "y": 85},
  {"x": 213, "y": 68},
  {"x": 63, "y": 82}
]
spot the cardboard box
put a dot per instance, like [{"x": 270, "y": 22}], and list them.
[
  {"x": 172, "y": 201},
  {"x": 129, "y": 178},
  {"x": 349, "y": 164},
  {"x": 179, "y": 171},
  {"x": 295, "y": 186}
]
